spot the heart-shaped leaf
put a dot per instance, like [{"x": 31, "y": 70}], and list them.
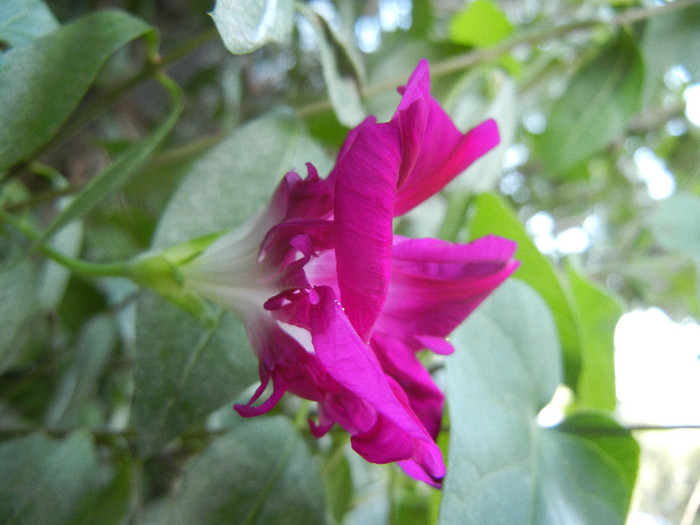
[
  {"x": 258, "y": 473},
  {"x": 43, "y": 82},
  {"x": 503, "y": 466}
]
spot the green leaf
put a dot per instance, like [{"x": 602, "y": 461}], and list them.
[
  {"x": 503, "y": 467},
  {"x": 18, "y": 303},
  {"x": 246, "y": 25},
  {"x": 600, "y": 100},
  {"x": 493, "y": 216},
  {"x": 410, "y": 501},
  {"x": 121, "y": 170},
  {"x": 42, "y": 83},
  {"x": 111, "y": 504},
  {"x": 236, "y": 178},
  {"x": 45, "y": 480},
  {"x": 23, "y": 21},
  {"x": 184, "y": 371},
  {"x": 676, "y": 224},
  {"x": 79, "y": 383},
  {"x": 340, "y": 72},
  {"x": 480, "y": 24},
  {"x": 670, "y": 39},
  {"x": 597, "y": 314},
  {"x": 611, "y": 440},
  {"x": 675, "y": 283},
  {"x": 258, "y": 473},
  {"x": 422, "y": 12}
]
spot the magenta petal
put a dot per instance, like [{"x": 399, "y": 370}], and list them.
[
  {"x": 418, "y": 86},
  {"x": 383, "y": 443},
  {"x": 348, "y": 409},
  {"x": 397, "y": 433},
  {"x": 318, "y": 431},
  {"x": 439, "y": 345},
  {"x": 433, "y": 150},
  {"x": 444, "y": 154},
  {"x": 347, "y": 145},
  {"x": 443, "y": 261},
  {"x": 352, "y": 363},
  {"x": 284, "y": 360},
  {"x": 399, "y": 361},
  {"x": 435, "y": 285},
  {"x": 411, "y": 116},
  {"x": 365, "y": 187},
  {"x": 309, "y": 198}
]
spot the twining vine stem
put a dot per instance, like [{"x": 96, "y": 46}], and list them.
[{"x": 535, "y": 36}]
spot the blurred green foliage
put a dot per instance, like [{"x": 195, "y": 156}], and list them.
[{"x": 133, "y": 128}]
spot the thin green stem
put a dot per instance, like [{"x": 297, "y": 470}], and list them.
[
  {"x": 102, "y": 434},
  {"x": 621, "y": 430},
  {"x": 55, "y": 177},
  {"x": 457, "y": 208},
  {"x": 45, "y": 197},
  {"x": 189, "y": 46},
  {"x": 538, "y": 36},
  {"x": 78, "y": 266},
  {"x": 647, "y": 428},
  {"x": 60, "y": 187},
  {"x": 183, "y": 153},
  {"x": 153, "y": 270},
  {"x": 626, "y": 429}
]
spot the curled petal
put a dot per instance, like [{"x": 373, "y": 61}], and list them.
[
  {"x": 249, "y": 410},
  {"x": 318, "y": 431},
  {"x": 311, "y": 197},
  {"x": 347, "y": 409},
  {"x": 285, "y": 361},
  {"x": 444, "y": 154},
  {"x": 411, "y": 118},
  {"x": 438, "y": 345},
  {"x": 433, "y": 150}
]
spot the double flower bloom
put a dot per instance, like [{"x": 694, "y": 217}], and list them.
[{"x": 336, "y": 306}]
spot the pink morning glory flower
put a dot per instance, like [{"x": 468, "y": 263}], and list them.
[{"x": 337, "y": 306}]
